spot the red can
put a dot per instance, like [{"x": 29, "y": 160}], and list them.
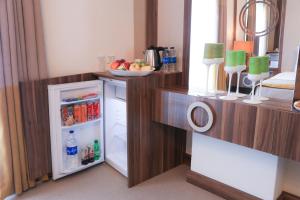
[
  {"x": 96, "y": 109},
  {"x": 90, "y": 111},
  {"x": 77, "y": 113},
  {"x": 83, "y": 112},
  {"x": 64, "y": 114}
]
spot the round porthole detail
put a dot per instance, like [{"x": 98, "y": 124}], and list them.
[{"x": 207, "y": 109}]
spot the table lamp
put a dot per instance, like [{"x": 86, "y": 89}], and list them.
[
  {"x": 265, "y": 73},
  {"x": 231, "y": 66},
  {"x": 213, "y": 55},
  {"x": 241, "y": 66},
  {"x": 254, "y": 75}
]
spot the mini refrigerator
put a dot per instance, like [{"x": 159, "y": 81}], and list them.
[{"x": 94, "y": 112}]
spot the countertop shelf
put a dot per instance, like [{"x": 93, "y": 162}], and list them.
[
  {"x": 81, "y": 167},
  {"x": 81, "y": 124},
  {"x": 79, "y": 101}
]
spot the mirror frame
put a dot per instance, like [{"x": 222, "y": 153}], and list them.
[{"x": 269, "y": 29}]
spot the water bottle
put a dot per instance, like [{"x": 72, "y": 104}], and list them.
[
  {"x": 173, "y": 59},
  {"x": 165, "y": 60},
  {"x": 72, "y": 151},
  {"x": 97, "y": 151}
]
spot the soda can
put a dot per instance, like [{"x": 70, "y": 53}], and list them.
[
  {"x": 70, "y": 118},
  {"x": 90, "y": 111},
  {"x": 96, "y": 109},
  {"x": 84, "y": 154},
  {"x": 70, "y": 111},
  {"x": 91, "y": 153},
  {"x": 77, "y": 113},
  {"x": 83, "y": 112},
  {"x": 64, "y": 114}
]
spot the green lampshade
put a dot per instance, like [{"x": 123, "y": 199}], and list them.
[
  {"x": 213, "y": 50},
  {"x": 231, "y": 58},
  {"x": 264, "y": 63},
  {"x": 254, "y": 65},
  {"x": 241, "y": 58}
]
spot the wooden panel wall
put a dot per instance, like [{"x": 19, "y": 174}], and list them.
[
  {"x": 233, "y": 122},
  {"x": 186, "y": 42},
  {"x": 34, "y": 99},
  {"x": 151, "y": 22},
  {"x": 153, "y": 148},
  {"x": 218, "y": 188},
  {"x": 271, "y": 127}
]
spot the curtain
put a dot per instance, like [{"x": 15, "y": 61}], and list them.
[
  {"x": 208, "y": 24},
  {"x": 22, "y": 59},
  {"x": 204, "y": 29}
]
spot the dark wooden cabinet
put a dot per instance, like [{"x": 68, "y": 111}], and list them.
[
  {"x": 272, "y": 127},
  {"x": 152, "y": 147}
]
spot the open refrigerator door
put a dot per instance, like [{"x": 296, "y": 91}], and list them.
[{"x": 116, "y": 125}]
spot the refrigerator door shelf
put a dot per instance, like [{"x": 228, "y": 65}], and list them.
[
  {"x": 80, "y": 101},
  {"x": 81, "y": 167},
  {"x": 82, "y": 124}
]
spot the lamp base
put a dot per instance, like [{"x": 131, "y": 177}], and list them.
[
  {"x": 213, "y": 61},
  {"x": 229, "y": 98},
  {"x": 252, "y": 101},
  {"x": 217, "y": 92},
  {"x": 239, "y": 95},
  {"x": 206, "y": 94},
  {"x": 262, "y": 98}
]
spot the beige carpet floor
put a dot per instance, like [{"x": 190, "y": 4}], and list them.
[{"x": 104, "y": 183}]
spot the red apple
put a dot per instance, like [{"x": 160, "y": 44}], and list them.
[
  {"x": 114, "y": 65},
  {"x": 126, "y": 65},
  {"x": 122, "y": 61}
]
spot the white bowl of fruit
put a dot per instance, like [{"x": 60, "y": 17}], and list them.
[{"x": 136, "y": 68}]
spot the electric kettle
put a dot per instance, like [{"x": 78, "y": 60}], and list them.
[{"x": 152, "y": 57}]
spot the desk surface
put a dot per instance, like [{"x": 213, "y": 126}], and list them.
[
  {"x": 271, "y": 127},
  {"x": 274, "y": 104}
]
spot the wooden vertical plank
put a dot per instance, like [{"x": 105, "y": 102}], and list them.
[
  {"x": 280, "y": 33},
  {"x": 186, "y": 42},
  {"x": 151, "y": 22},
  {"x": 152, "y": 147}
]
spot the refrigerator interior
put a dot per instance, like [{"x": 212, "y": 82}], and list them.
[
  {"x": 116, "y": 125},
  {"x": 85, "y": 132}
]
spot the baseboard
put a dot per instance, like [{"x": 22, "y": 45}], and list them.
[
  {"x": 187, "y": 159},
  {"x": 288, "y": 196},
  {"x": 218, "y": 188},
  {"x": 225, "y": 191}
]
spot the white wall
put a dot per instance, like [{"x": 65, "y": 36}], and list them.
[
  {"x": 77, "y": 31},
  {"x": 139, "y": 28},
  {"x": 170, "y": 25},
  {"x": 291, "y": 35}
]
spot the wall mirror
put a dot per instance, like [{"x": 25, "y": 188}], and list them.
[
  {"x": 268, "y": 26},
  {"x": 261, "y": 22}
]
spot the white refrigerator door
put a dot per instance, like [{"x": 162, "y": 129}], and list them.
[
  {"x": 85, "y": 133},
  {"x": 115, "y": 125}
]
